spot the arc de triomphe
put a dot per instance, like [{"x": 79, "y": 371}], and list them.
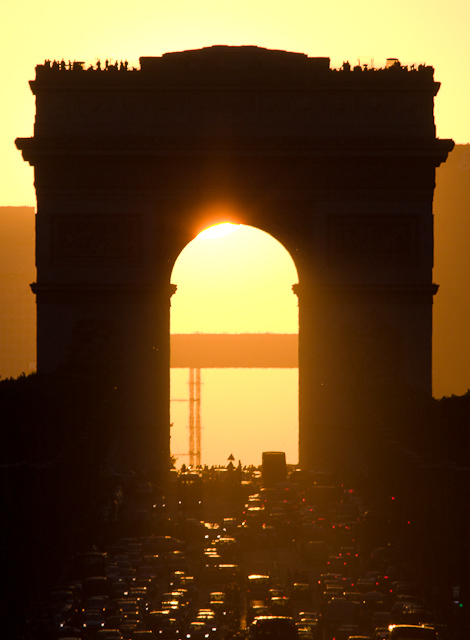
[{"x": 336, "y": 164}]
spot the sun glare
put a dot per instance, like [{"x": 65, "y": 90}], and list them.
[{"x": 218, "y": 230}]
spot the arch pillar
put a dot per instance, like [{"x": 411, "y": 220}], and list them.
[
  {"x": 119, "y": 334},
  {"x": 145, "y": 420},
  {"x": 360, "y": 349}
]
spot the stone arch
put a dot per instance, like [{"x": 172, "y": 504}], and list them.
[{"x": 338, "y": 165}]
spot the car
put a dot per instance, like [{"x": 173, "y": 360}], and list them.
[
  {"x": 301, "y": 593},
  {"x": 199, "y": 630},
  {"x": 344, "y": 632},
  {"x": 309, "y": 629},
  {"x": 280, "y": 606},
  {"x": 340, "y": 612},
  {"x": 109, "y": 634},
  {"x": 380, "y": 633},
  {"x": 228, "y": 548},
  {"x": 412, "y": 632},
  {"x": 93, "y": 621},
  {"x": 257, "y": 587},
  {"x": 168, "y": 629},
  {"x": 273, "y": 628},
  {"x": 159, "y": 619},
  {"x": 97, "y": 603},
  {"x": 256, "y": 609}
]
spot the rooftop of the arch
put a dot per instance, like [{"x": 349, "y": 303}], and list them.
[
  {"x": 234, "y": 94},
  {"x": 227, "y": 65}
]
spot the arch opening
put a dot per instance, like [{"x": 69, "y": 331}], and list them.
[{"x": 235, "y": 279}]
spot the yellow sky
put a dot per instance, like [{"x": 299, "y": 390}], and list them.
[
  {"x": 415, "y": 31},
  {"x": 237, "y": 283}
]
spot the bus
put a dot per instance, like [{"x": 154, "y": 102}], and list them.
[
  {"x": 189, "y": 491},
  {"x": 412, "y": 632},
  {"x": 273, "y": 628},
  {"x": 274, "y": 468}
]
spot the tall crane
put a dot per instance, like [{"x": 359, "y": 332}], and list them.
[
  {"x": 195, "y": 417},
  {"x": 194, "y": 452}
]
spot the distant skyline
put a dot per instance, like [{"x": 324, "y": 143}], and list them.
[{"x": 432, "y": 32}]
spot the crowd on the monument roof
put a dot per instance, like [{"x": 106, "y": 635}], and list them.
[
  {"x": 62, "y": 65},
  {"x": 123, "y": 65}
]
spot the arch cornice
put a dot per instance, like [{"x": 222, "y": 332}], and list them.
[{"x": 35, "y": 148}]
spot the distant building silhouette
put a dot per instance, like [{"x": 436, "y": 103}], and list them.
[
  {"x": 17, "y": 304},
  {"x": 239, "y": 350},
  {"x": 451, "y": 336}
]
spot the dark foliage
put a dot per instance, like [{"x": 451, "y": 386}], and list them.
[{"x": 55, "y": 433}]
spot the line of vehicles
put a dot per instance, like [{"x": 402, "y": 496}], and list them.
[{"x": 228, "y": 554}]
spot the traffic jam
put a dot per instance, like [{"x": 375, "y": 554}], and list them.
[{"x": 266, "y": 553}]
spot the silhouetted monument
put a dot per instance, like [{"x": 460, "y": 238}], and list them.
[{"x": 338, "y": 165}]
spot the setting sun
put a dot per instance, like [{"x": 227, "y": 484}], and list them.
[{"x": 217, "y": 231}]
